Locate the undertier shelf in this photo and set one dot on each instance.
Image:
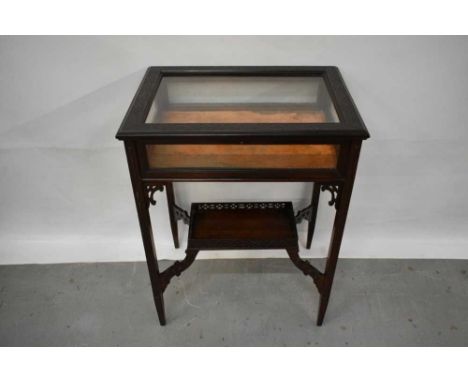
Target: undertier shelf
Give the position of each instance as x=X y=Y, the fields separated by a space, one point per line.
x=255 y=225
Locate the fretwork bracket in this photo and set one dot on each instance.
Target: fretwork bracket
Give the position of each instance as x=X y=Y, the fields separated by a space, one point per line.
x=335 y=190
x=151 y=189
x=304 y=214
x=181 y=214
x=307 y=212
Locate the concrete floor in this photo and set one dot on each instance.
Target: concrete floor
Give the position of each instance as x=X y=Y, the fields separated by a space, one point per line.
x=236 y=303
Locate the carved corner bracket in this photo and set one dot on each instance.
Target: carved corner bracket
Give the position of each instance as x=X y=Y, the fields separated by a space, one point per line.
x=151 y=189
x=335 y=190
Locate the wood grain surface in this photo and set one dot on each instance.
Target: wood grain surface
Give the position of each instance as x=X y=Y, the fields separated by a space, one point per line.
x=242 y=116
x=242 y=156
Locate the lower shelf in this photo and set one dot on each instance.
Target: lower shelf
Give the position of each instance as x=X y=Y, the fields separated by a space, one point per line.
x=256 y=225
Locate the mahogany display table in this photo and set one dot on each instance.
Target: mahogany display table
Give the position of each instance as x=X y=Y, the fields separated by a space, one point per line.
x=223 y=124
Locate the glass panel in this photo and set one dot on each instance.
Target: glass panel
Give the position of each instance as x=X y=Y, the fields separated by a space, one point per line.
x=240 y=156
x=241 y=99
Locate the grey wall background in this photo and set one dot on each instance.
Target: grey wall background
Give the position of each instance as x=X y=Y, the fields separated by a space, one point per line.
x=65 y=193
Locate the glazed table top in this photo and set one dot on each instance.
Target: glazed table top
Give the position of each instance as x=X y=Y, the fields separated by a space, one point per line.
x=221 y=102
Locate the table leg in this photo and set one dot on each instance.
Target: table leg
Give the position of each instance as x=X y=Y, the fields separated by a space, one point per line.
x=172 y=213
x=151 y=260
x=313 y=214
x=142 y=205
x=342 y=206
